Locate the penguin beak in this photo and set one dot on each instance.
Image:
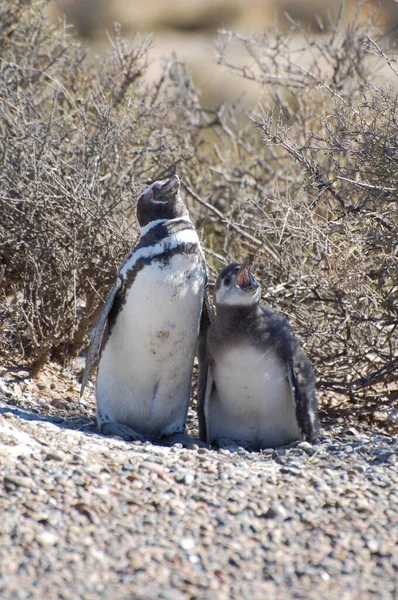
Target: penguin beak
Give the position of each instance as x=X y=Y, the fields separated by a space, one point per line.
x=245 y=279
x=170 y=186
x=163 y=190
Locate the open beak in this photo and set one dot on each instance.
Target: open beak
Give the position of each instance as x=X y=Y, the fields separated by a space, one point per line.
x=245 y=278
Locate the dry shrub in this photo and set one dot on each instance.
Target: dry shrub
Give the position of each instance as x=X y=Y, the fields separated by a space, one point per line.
x=78 y=139
x=331 y=140
x=307 y=186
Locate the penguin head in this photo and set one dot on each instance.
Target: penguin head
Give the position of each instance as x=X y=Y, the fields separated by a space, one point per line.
x=237 y=286
x=161 y=201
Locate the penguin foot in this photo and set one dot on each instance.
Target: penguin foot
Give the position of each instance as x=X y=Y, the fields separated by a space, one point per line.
x=185 y=440
x=227 y=444
x=123 y=431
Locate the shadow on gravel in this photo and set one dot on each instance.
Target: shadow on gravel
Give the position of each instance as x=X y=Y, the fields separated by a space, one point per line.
x=75 y=423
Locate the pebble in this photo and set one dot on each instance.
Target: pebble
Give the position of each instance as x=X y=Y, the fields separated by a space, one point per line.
x=187 y=543
x=46 y=538
x=55 y=455
x=57 y=419
x=137 y=484
x=373 y=545
x=189 y=478
x=102 y=518
x=306 y=447
x=42 y=385
x=276 y=511
x=12 y=482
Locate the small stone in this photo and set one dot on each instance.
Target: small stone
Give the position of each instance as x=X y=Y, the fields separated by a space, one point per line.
x=41 y=517
x=319 y=483
x=352 y=431
x=224 y=451
x=7 y=415
x=276 y=511
x=359 y=468
x=42 y=385
x=3 y=387
x=189 y=478
x=55 y=455
x=11 y=482
x=58 y=403
x=57 y=419
x=187 y=543
x=268 y=452
x=362 y=505
x=46 y=538
x=392 y=416
x=86 y=510
x=137 y=484
x=386 y=457
x=306 y=447
x=291 y=470
x=373 y=545
x=193 y=558
x=185 y=457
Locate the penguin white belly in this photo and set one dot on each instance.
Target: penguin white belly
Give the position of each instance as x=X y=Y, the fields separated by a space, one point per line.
x=144 y=374
x=251 y=401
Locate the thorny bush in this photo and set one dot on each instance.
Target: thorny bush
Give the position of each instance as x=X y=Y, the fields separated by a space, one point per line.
x=79 y=139
x=307 y=186
x=330 y=130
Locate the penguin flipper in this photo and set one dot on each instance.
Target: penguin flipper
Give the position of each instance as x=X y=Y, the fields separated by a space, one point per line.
x=208 y=307
x=206 y=320
x=96 y=341
x=202 y=379
x=204 y=396
x=302 y=385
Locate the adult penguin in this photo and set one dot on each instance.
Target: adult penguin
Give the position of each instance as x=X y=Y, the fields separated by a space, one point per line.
x=147 y=334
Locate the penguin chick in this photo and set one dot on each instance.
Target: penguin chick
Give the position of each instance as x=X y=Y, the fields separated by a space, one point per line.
x=260 y=386
x=147 y=333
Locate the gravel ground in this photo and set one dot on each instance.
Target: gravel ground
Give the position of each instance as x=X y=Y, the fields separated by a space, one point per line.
x=84 y=516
